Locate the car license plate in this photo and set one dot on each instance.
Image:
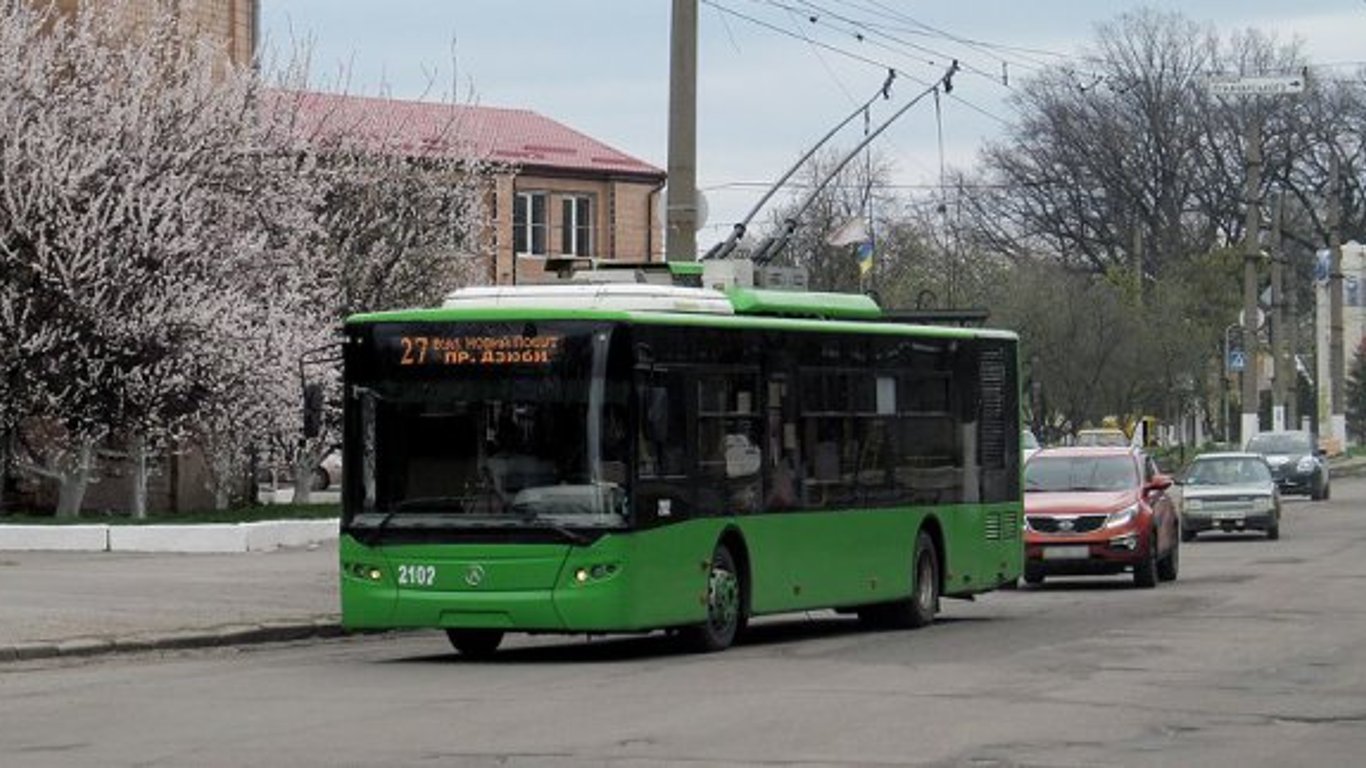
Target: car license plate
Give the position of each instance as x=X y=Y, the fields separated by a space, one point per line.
x=1066 y=553
x=1229 y=516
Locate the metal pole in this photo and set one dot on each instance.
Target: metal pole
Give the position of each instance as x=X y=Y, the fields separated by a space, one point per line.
x=1224 y=384
x=1292 y=333
x=1282 y=375
x=1336 y=359
x=680 y=237
x=1251 y=252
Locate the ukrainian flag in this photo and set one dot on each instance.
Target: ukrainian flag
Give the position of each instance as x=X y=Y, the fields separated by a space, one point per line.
x=865 y=257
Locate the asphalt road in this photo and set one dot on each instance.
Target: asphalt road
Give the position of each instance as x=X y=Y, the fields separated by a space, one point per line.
x=1256 y=656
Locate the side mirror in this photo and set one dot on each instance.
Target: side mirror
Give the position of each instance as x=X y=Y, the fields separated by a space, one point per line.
x=313 y=410
x=1159 y=482
x=1321 y=452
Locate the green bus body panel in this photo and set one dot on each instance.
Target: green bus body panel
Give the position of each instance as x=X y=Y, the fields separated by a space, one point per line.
x=797 y=561
x=685 y=267
x=698 y=320
x=849 y=306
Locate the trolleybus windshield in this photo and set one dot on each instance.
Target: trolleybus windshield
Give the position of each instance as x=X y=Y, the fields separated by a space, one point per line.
x=485 y=426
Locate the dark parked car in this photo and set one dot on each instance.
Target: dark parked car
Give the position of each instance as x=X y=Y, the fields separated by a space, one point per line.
x=1297 y=464
x=1099 y=511
x=1230 y=492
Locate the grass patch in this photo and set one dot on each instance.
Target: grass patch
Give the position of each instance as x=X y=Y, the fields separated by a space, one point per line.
x=243 y=515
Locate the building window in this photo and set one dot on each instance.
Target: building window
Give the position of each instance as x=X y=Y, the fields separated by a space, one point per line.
x=529 y=223
x=576 y=226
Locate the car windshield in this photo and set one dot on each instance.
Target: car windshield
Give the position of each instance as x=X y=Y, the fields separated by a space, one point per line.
x=1028 y=441
x=1280 y=442
x=1080 y=473
x=1102 y=438
x=1230 y=471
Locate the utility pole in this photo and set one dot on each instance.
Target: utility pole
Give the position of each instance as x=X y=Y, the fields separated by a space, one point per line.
x=1282 y=375
x=680 y=237
x=1251 y=253
x=1292 y=327
x=1253 y=87
x=1336 y=364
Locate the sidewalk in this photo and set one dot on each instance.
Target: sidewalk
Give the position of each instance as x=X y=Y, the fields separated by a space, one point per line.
x=76 y=603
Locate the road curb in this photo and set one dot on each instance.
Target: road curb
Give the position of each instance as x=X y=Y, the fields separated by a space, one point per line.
x=263 y=536
x=319 y=627
x=1351 y=468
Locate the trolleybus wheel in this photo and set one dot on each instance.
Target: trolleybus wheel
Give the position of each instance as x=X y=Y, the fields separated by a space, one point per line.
x=919 y=609
x=475 y=643
x=725 y=606
x=924 y=602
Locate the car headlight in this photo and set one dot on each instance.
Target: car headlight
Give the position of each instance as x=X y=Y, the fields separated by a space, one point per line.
x=1122 y=517
x=1262 y=504
x=1306 y=464
x=1194 y=505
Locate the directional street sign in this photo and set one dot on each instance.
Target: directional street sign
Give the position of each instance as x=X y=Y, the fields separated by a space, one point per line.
x=1273 y=85
x=1237 y=361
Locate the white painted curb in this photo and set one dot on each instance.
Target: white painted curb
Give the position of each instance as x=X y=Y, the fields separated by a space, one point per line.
x=273 y=534
x=201 y=538
x=60 y=538
x=207 y=537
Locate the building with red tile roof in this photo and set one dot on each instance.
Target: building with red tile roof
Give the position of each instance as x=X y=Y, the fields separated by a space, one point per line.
x=556 y=192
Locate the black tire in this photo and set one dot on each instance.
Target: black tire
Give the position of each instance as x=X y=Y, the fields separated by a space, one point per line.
x=726 y=613
x=917 y=610
x=1187 y=534
x=1033 y=576
x=924 y=602
x=1167 y=567
x=1273 y=531
x=318 y=480
x=1319 y=490
x=1327 y=490
x=1145 y=571
x=475 y=643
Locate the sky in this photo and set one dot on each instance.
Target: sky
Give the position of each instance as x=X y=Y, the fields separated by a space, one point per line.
x=771 y=82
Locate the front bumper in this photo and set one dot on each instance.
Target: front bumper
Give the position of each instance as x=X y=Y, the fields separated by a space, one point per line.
x=1102 y=553
x=1195 y=522
x=1290 y=480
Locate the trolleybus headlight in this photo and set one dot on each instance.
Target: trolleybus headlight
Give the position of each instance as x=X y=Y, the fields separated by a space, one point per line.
x=594 y=572
x=363 y=571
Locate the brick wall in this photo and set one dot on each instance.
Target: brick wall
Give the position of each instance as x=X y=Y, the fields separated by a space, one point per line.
x=232 y=23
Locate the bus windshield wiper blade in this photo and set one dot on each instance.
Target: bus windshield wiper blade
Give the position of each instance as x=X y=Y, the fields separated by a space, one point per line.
x=456 y=503
x=539 y=522
x=373 y=537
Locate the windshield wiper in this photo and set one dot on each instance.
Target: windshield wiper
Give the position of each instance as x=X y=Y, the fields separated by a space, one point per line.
x=574 y=537
x=372 y=538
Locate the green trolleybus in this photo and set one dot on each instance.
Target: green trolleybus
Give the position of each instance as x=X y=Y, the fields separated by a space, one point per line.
x=632 y=457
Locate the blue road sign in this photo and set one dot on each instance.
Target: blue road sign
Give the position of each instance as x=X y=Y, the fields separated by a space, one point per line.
x=1237 y=361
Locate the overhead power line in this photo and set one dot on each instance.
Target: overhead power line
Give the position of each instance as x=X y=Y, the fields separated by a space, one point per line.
x=852 y=55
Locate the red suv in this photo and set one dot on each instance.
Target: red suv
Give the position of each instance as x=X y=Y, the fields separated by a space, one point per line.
x=1099 y=511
